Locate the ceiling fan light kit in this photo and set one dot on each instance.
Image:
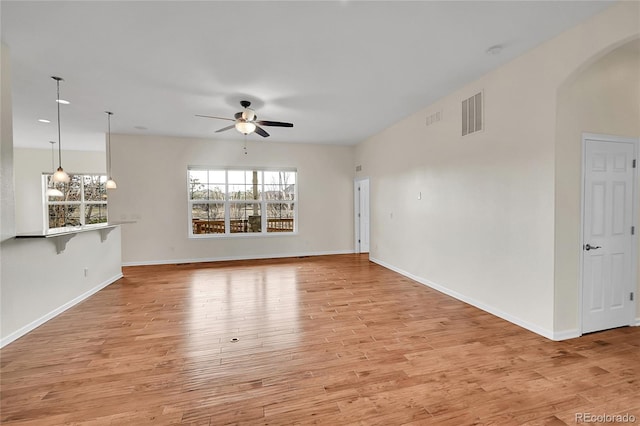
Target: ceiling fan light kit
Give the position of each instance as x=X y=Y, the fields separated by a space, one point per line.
x=246 y=121
x=245 y=127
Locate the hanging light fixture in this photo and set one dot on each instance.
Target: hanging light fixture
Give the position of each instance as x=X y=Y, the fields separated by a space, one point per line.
x=52 y=191
x=111 y=184
x=245 y=127
x=244 y=122
x=60 y=176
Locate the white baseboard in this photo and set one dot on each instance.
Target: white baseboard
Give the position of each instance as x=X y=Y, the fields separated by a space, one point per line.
x=569 y=334
x=228 y=258
x=637 y=324
x=566 y=334
x=35 y=324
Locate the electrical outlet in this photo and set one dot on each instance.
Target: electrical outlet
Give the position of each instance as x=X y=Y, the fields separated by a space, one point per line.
x=86 y=272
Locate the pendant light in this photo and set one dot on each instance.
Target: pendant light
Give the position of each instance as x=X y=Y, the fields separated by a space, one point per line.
x=52 y=191
x=60 y=176
x=111 y=184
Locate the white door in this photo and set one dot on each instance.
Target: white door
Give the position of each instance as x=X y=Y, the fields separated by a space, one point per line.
x=362 y=215
x=608 y=255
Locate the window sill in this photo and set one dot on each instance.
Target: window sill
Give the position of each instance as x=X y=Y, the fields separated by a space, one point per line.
x=241 y=235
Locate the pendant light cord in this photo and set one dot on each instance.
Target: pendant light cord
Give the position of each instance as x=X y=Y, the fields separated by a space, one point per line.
x=59 y=142
x=53 y=161
x=109 y=113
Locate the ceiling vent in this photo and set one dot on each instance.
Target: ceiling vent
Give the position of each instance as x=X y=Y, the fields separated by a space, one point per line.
x=472 y=114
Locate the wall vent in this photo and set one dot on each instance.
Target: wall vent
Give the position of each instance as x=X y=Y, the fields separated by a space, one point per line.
x=472 y=115
x=435 y=117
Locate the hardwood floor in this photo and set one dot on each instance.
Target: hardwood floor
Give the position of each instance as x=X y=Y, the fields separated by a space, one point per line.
x=331 y=340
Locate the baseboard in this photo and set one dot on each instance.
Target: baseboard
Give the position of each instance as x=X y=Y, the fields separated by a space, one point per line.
x=637 y=324
x=566 y=334
x=480 y=305
x=230 y=258
x=35 y=324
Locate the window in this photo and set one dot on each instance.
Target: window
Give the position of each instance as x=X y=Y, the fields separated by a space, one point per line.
x=84 y=201
x=231 y=201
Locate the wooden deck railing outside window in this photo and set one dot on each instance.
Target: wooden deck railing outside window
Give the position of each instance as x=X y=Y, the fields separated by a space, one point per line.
x=202 y=226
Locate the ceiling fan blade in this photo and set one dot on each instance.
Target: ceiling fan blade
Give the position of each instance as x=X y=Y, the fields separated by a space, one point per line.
x=261 y=132
x=273 y=123
x=226 y=128
x=211 y=116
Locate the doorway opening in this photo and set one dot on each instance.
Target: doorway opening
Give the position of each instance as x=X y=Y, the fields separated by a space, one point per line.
x=362 y=216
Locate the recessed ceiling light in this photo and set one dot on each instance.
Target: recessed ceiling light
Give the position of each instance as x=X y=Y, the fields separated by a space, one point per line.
x=43 y=120
x=495 y=50
x=62 y=101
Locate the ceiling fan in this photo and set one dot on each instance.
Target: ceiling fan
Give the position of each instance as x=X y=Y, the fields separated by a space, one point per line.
x=246 y=121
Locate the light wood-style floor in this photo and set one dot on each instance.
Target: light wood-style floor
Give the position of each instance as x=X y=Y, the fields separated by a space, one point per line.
x=331 y=340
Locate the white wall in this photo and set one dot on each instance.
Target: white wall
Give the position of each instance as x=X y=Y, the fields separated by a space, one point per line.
x=29 y=165
x=38 y=283
x=7 y=213
x=484 y=230
x=603 y=98
x=151 y=173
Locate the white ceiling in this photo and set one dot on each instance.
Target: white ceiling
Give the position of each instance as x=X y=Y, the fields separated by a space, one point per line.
x=339 y=70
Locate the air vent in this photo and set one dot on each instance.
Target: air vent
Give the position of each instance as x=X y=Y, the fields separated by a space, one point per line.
x=472 y=114
x=436 y=116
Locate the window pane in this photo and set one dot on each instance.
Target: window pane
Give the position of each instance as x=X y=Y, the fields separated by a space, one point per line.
x=280 y=193
x=206 y=185
x=207 y=218
x=198 y=191
x=216 y=191
x=95 y=188
x=217 y=176
x=279 y=185
x=245 y=217
x=64 y=215
x=72 y=190
x=244 y=184
x=244 y=192
x=244 y=176
x=280 y=178
x=199 y=176
x=240 y=192
x=95 y=213
x=280 y=217
x=48 y=184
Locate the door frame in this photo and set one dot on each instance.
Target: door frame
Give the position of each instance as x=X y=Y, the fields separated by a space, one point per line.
x=356 y=212
x=634 y=212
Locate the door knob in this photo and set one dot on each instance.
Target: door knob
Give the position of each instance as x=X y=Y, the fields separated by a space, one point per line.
x=588 y=247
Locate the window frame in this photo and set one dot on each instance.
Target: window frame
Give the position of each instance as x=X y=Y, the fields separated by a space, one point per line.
x=263 y=203
x=81 y=203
